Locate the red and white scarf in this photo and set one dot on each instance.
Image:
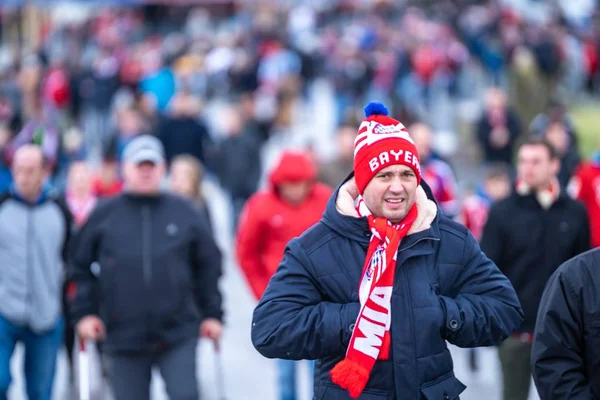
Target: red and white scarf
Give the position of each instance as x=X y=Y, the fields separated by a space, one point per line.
x=371 y=338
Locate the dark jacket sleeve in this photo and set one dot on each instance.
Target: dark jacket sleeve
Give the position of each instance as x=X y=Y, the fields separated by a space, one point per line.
x=492 y=238
x=557 y=355
x=206 y=263
x=82 y=295
x=483 y=308
x=292 y=321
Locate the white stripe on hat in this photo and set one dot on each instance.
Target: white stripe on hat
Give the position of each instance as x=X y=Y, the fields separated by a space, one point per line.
x=377 y=131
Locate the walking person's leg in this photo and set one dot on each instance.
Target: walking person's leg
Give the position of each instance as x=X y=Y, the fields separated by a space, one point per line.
x=130 y=375
x=515 y=357
x=8 y=339
x=41 y=351
x=287 y=379
x=178 y=368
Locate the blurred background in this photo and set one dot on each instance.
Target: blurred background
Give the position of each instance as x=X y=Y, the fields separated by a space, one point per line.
x=234 y=83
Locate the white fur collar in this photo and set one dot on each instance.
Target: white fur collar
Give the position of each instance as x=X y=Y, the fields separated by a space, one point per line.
x=546 y=198
x=427 y=208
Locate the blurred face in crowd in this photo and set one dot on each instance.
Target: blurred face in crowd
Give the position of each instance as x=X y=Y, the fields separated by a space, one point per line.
x=423 y=138
x=28 y=171
x=233 y=122
x=130 y=123
x=143 y=178
x=345 y=138
x=183 y=178
x=558 y=137
x=536 y=167
x=391 y=192
x=495 y=100
x=79 y=179
x=497 y=187
x=294 y=192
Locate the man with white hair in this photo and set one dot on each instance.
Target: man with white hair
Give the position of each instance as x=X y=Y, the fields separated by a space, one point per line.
x=34 y=234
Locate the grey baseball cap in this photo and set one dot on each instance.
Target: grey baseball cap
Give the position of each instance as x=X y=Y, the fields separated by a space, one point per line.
x=144 y=148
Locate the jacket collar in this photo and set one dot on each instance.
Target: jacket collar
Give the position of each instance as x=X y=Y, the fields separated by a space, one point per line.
x=44 y=195
x=544 y=199
x=342 y=218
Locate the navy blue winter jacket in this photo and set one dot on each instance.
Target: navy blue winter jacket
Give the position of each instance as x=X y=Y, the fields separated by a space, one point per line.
x=445 y=289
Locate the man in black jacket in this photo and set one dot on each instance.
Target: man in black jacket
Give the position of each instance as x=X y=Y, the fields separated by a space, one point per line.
x=528 y=235
x=144 y=276
x=566 y=347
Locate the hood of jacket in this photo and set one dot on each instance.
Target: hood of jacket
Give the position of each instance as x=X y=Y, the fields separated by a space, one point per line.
x=293 y=166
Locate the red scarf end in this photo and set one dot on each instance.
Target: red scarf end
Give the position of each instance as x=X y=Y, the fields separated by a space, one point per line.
x=351 y=376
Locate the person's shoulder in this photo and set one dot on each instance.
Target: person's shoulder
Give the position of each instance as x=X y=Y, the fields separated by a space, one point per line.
x=263 y=200
x=175 y=202
x=441 y=166
x=504 y=205
x=451 y=227
x=581 y=269
x=4 y=197
x=315 y=237
x=575 y=206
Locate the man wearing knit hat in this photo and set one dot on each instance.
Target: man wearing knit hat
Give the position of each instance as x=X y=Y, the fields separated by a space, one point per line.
x=377 y=287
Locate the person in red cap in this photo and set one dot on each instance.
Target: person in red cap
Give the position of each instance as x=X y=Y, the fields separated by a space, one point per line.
x=269 y=220
x=382 y=282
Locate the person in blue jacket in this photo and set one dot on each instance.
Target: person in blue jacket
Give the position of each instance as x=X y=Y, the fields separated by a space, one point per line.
x=375 y=289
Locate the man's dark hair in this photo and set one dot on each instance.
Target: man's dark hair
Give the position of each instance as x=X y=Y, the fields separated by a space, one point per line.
x=541 y=141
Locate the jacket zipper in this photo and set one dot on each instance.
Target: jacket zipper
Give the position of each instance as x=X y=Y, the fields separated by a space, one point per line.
x=407 y=288
x=146 y=245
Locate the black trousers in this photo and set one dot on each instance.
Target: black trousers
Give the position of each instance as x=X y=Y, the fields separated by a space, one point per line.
x=130 y=374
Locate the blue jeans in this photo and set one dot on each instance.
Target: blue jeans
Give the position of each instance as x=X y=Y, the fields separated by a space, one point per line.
x=41 y=351
x=286 y=378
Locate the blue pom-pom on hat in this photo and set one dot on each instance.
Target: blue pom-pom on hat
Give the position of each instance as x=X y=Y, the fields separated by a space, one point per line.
x=375 y=108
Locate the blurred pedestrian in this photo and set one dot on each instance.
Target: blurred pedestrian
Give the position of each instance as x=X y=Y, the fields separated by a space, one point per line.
x=496 y=186
x=585 y=187
x=498 y=129
x=79 y=195
x=528 y=235
x=436 y=172
x=107 y=182
x=158 y=280
x=557 y=135
x=181 y=131
x=335 y=171
x=185 y=178
x=336 y=296
x=34 y=234
x=81 y=201
x=238 y=159
x=565 y=358
x=270 y=219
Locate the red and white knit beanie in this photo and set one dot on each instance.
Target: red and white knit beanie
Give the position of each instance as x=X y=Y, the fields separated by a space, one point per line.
x=382 y=141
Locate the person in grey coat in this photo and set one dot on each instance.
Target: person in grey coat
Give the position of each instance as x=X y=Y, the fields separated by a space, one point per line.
x=34 y=235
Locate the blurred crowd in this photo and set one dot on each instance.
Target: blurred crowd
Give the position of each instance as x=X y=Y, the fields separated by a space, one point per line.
x=217 y=87
x=90 y=87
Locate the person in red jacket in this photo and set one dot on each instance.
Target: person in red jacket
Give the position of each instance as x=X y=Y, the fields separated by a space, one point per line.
x=293 y=202
x=585 y=187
